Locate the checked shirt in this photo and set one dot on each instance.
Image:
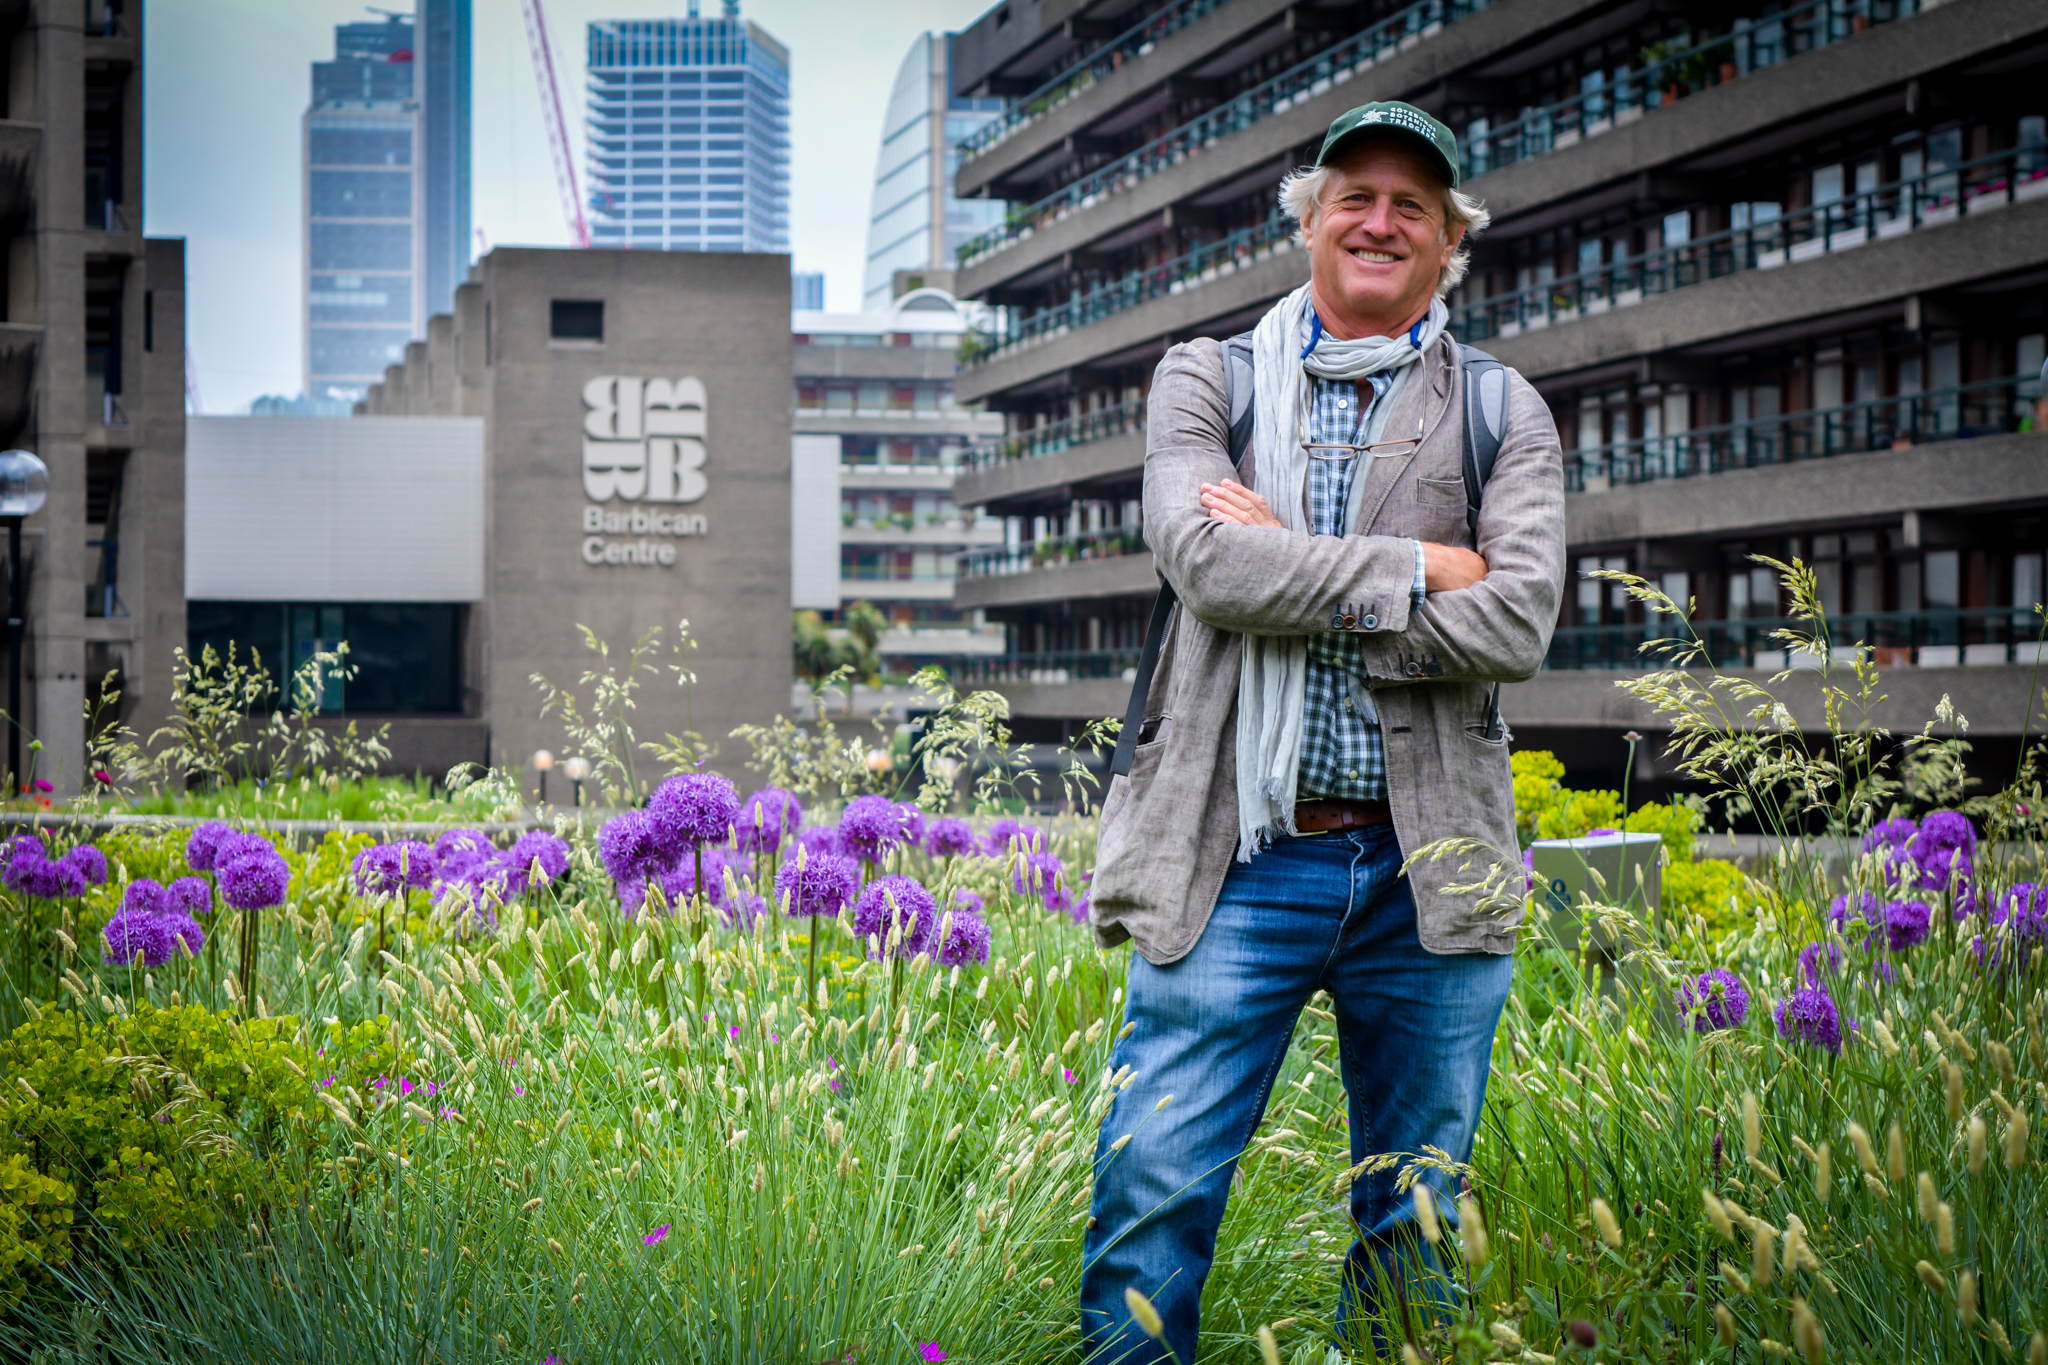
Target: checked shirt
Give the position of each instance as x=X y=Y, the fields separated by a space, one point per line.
x=1343 y=756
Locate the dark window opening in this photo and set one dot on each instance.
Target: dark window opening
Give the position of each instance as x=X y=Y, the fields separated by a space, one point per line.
x=104 y=86
x=406 y=656
x=149 y=319
x=103 y=485
x=104 y=277
x=576 y=319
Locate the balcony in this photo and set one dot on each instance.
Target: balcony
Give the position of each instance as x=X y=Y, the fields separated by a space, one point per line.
x=1111 y=563
x=1882 y=212
x=1965 y=412
x=1062 y=458
x=1945 y=638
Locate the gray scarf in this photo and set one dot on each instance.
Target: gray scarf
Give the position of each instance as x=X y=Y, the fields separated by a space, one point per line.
x=1273 y=674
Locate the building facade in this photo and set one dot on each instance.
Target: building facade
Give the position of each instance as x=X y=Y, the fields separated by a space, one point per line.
x=916 y=225
x=688 y=134
x=92 y=370
x=631 y=423
x=1780 y=272
x=879 y=440
x=386 y=193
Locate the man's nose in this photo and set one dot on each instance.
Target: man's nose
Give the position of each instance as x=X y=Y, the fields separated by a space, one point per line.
x=1379 y=219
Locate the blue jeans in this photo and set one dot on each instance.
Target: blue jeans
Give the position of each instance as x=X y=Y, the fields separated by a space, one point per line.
x=1415 y=1032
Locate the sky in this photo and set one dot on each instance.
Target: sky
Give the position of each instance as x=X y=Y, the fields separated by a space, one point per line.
x=227 y=82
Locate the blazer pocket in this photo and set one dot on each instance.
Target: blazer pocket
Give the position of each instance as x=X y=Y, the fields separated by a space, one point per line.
x=1440 y=492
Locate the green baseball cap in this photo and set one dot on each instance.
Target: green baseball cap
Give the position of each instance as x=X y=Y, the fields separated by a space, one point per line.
x=1393 y=118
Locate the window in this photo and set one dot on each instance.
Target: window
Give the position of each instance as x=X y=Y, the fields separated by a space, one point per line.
x=576 y=319
x=407 y=656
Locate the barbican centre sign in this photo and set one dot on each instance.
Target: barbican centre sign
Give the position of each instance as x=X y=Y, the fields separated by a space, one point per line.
x=643 y=445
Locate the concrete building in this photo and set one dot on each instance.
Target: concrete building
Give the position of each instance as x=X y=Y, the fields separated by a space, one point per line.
x=1779 y=270
x=916 y=225
x=92 y=368
x=591 y=439
x=386 y=193
x=879 y=440
x=688 y=134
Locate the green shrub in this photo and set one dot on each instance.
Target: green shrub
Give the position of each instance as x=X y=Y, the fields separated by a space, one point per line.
x=1712 y=890
x=152 y=1124
x=35 y=1222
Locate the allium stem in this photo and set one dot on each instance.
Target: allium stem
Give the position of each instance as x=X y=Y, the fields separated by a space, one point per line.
x=697 y=926
x=811 y=975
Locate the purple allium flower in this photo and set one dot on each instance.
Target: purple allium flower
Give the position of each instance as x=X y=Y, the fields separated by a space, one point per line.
x=253 y=874
x=914 y=913
x=90 y=863
x=185 y=931
x=768 y=817
x=1006 y=834
x=537 y=847
x=1811 y=965
x=914 y=820
x=1842 y=914
x=1809 y=1016
x=696 y=808
x=2023 y=912
x=131 y=932
x=1896 y=832
x=26 y=859
x=970 y=901
x=819 y=839
x=202 y=847
x=1716 y=999
x=632 y=850
x=189 y=896
x=146 y=896
x=65 y=879
x=1945 y=850
x=870 y=826
x=1038 y=874
x=824 y=885
x=391 y=869
x=967 y=940
x=1080 y=910
x=655 y=1236
x=1601 y=833
x=1904 y=924
x=949 y=837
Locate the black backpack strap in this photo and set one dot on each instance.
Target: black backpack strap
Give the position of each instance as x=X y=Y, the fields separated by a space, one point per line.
x=1486 y=424
x=1141 y=688
x=1237 y=402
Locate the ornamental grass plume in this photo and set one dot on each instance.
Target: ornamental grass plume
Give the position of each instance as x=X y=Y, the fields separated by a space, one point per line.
x=1472 y=1232
x=1145 y=1315
x=1604 y=1220
x=1752 y=1126
x=1808 y=1015
x=1425 y=1214
x=902 y=905
x=1714 y=1000
x=870 y=826
x=1895 y=1152
x=766 y=818
x=2016 y=1140
x=1806 y=1333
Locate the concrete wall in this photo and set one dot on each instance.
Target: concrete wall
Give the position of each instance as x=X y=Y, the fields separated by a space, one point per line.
x=1076 y=580
x=1043 y=477
x=721 y=318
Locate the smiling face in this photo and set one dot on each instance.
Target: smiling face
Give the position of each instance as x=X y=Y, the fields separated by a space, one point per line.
x=1377 y=244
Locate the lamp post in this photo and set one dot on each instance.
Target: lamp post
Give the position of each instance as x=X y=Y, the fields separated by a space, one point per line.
x=542 y=761
x=24 y=488
x=576 y=769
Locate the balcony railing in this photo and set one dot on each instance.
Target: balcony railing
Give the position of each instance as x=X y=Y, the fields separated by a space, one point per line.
x=1050 y=438
x=1051 y=666
x=883 y=573
x=1898 y=639
x=1077 y=77
x=1550 y=127
x=1110 y=543
x=1990 y=408
x=1304 y=80
x=1190 y=270
x=1938 y=196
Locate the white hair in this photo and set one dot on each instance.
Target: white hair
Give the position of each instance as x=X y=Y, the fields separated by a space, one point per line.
x=1301 y=197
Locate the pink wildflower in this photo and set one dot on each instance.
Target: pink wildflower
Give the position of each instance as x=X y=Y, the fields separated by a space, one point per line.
x=930 y=1351
x=655 y=1236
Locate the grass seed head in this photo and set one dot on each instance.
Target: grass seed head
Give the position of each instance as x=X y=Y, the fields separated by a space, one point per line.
x=1762 y=1263
x=1979 y=1135
x=2016 y=1141
x=1269 y=1348
x=1724 y=1325
x=1145 y=1315
x=1895 y=1153
x=1806 y=1333
x=1425 y=1215
x=1945 y=1230
x=2037 y=1349
x=1604 y=1220
x=1952 y=1089
x=1472 y=1232
x=1866 y=1156
x=1930 y=1277
x=1752 y=1127
x=1717 y=1214
x=1928 y=1198
x=1966 y=1297
x=1823 y=1172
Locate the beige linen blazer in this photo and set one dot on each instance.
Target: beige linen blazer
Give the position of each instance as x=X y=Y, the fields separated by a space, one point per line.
x=1169 y=829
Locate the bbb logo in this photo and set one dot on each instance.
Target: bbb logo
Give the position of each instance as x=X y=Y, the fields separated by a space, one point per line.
x=643 y=439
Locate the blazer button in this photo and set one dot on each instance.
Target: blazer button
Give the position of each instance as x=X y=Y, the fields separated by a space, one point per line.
x=1371 y=623
x=1411 y=669
x=1350 y=621
x=1336 y=620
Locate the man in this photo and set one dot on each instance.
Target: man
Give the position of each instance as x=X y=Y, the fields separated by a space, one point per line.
x=1323 y=702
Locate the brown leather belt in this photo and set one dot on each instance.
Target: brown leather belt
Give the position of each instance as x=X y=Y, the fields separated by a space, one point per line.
x=1316 y=817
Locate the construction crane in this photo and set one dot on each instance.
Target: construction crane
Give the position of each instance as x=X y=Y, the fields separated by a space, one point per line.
x=551 y=115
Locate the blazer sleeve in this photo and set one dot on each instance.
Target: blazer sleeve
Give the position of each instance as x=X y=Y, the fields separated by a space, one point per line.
x=1252 y=580
x=1497 y=630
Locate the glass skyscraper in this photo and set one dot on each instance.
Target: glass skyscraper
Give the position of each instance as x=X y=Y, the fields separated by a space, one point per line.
x=914 y=222
x=386 y=154
x=688 y=135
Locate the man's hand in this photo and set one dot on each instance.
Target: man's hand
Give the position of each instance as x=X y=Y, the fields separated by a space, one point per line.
x=1232 y=501
x=1447 y=568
